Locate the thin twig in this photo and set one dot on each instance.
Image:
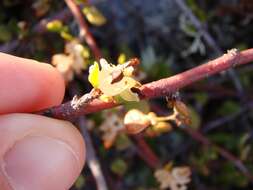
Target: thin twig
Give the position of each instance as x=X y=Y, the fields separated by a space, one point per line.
x=223 y=120
x=160 y=88
x=92 y=160
x=84 y=29
x=209 y=40
x=223 y=152
x=146 y=153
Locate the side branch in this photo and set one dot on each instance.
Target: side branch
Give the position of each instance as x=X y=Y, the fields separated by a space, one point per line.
x=84 y=29
x=163 y=87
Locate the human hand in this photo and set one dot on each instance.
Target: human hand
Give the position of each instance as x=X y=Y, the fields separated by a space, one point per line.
x=36 y=152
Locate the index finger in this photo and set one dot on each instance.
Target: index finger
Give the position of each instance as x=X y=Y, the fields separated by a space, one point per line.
x=27 y=85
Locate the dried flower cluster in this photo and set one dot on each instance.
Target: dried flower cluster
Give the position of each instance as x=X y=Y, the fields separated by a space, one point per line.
x=174 y=178
x=74 y=60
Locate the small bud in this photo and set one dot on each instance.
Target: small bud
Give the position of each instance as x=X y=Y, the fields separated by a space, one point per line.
x=135 y=121
x=121 y=58
x=94 y=16
x=108 y=144
x=182 y=109
x=162 y=127
x=134 y=62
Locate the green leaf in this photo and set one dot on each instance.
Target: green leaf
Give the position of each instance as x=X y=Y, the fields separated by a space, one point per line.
x=200 y=13
x=93 y=75
x=119 y=167
x=229 y=107
x=195 y=118
x=5 y=34
x=94 y=16
x=123 y=142
x=66 y=36
x=86 y=52
x=201 y=97
x=80 y=182
x=54 y=26
x=228 y=175
x=121 y=58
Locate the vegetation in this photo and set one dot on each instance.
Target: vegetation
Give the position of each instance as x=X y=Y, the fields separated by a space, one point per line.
x=152 y=115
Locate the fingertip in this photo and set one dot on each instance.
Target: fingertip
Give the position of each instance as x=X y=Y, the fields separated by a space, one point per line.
x=28 y=85
x=39 y=152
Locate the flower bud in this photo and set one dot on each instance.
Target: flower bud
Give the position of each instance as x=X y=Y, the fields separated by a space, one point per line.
x=162 y=127
x=182 y=109
x=135 y=121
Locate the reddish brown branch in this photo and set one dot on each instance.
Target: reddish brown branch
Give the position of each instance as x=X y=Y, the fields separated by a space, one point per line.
x=84 y=29
x=146 y=153
x=161 y=87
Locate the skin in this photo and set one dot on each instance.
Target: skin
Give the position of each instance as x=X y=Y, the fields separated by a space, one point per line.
x=36 y=152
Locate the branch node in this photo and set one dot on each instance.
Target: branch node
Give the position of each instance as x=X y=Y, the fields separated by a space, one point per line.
x=234 y=53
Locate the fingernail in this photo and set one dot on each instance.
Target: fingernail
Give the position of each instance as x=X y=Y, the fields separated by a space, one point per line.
x=40 y=163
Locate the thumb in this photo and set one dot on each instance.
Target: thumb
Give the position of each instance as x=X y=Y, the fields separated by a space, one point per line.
x=39 y=153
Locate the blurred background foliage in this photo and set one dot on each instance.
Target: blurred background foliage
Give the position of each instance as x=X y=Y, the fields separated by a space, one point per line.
x=167 y=43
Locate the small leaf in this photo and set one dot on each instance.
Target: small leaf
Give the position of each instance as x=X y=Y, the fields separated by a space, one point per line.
x=195 y=118
x=54 y=26
x=5 y=34
x=122 y=142
x=94 y=16
x=119 y=167
x=86 y=52
x=93 y=75
x=228 y=107
x=66 y=36
x=121 y=58
x=182 y=108
x=201 y=97
x=80 y=182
